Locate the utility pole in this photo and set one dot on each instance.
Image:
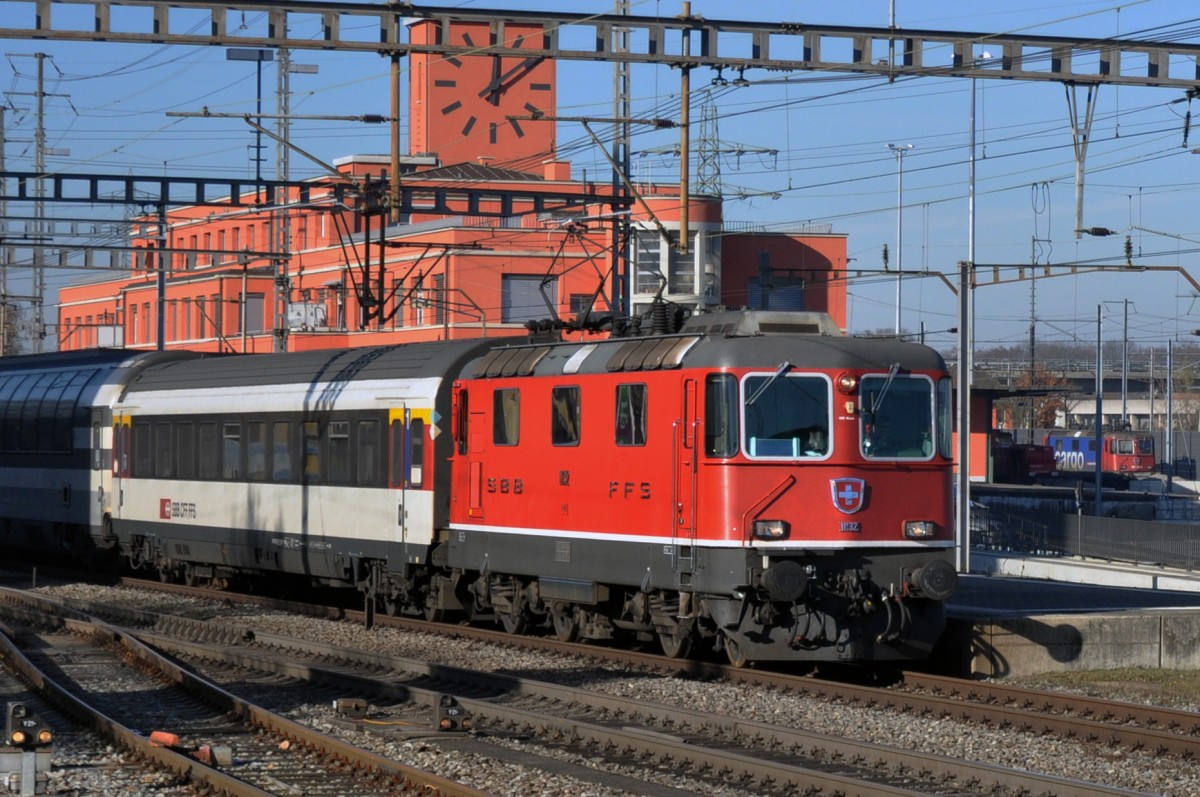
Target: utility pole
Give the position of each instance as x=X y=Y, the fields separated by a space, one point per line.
x=899 y=149
x=622 y=104
x=4 y=247
x=39 y=207
x=685 y=161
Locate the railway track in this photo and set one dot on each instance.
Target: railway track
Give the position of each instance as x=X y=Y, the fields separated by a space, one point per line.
x=771 y=758
x=165 y=714
x=1131 y=725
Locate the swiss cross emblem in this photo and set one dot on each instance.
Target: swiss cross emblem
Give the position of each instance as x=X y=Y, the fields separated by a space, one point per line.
x=848 y=494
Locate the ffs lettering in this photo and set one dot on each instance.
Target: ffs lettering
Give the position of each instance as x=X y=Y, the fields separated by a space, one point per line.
x=629 y=490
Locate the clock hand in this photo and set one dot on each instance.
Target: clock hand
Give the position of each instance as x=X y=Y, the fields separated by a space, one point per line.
x=501 y=82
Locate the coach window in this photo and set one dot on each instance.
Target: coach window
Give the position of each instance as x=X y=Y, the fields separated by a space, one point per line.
x=185 y=450
x=164 y=465
x=256 y=451
x=143 y=451
x=231 y=451
x=368 y=453
x=720 y=415
x=209 y=450
x=631 y=415
x=565 y=416
x=281 y=451
x=312 y=451
x=339 y=452
x=97 y=450
x=506 y=416
x=416 y=471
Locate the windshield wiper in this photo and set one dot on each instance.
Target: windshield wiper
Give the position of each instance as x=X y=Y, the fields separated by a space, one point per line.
x=877 y=401
x=783 y=366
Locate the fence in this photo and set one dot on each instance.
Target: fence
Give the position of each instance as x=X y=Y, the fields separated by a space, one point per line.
x=1114 y=539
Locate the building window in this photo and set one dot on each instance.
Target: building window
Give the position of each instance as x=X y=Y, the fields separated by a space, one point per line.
x=521 y=297
x=133 y=323
x=255 y=310
x=439 y=298
x=647 y=260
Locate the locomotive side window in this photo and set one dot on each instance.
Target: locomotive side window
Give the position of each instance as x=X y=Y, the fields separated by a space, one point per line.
x=231 y=451
x=564 y=416
x=338 y=438
x=256 y=451
x=720 y=415
x=506 y=416
x=461 y=426
x=185 y=450
x=631 y=415
x=281 y=451
x=897 y=416
x=787 y=415
x=209 y=450
x=945 y=424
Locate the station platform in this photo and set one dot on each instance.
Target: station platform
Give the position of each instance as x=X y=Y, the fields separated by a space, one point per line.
x=1025 y=614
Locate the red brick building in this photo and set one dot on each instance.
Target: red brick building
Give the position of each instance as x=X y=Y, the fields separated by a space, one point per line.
x=323 y=274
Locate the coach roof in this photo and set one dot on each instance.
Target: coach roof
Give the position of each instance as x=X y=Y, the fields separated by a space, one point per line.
x=404 y=361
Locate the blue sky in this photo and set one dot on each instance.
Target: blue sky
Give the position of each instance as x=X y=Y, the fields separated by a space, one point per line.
x=833 y=165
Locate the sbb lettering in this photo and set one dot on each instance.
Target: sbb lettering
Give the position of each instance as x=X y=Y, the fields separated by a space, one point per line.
x=505 y=486
x=629 y=490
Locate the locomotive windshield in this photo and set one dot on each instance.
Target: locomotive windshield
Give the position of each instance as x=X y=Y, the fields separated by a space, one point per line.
x=786 y=415
x=897 y=415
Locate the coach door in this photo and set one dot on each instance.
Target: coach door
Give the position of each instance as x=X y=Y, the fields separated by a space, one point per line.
x=407 y=436
x=684 y=482
x=122 y=451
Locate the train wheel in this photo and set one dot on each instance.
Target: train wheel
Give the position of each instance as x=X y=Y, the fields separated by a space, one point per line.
x=676 y=640
x=432 y=613
x=733 y=652
x=514 y=622
x=566 y=623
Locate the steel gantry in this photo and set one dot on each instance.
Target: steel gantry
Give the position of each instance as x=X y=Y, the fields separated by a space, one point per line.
x=715 y=43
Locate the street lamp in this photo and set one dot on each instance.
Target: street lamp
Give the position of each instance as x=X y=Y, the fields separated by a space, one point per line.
x=899 y=149
x=257 y=55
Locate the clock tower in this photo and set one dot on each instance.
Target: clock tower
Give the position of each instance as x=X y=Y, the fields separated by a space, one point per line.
x=460 y=104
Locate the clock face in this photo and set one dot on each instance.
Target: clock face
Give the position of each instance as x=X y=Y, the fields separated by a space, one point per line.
x=467 y=101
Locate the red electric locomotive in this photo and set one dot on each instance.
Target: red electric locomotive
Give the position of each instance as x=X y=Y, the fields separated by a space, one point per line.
x=757 y=482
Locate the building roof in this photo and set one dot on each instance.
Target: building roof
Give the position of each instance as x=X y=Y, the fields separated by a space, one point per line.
x=477 y=172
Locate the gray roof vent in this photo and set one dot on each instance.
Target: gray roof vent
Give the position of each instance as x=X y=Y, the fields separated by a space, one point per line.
x=749 y=323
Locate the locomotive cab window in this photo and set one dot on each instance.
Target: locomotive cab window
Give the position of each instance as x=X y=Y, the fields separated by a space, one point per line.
x=565 y=416
x=786 y=416
x=897 y=416
x=631 y=415
x=506 y=416
x=720 y=415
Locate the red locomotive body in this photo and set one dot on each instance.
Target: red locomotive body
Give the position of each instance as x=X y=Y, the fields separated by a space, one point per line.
x=754 y=482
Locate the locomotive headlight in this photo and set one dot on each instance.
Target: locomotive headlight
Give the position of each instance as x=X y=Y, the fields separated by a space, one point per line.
x=920 y=529
x=771 y=529
x=846 y=383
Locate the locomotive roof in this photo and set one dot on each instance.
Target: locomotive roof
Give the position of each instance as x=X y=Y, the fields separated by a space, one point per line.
x=402 y=361
x=725 y=349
